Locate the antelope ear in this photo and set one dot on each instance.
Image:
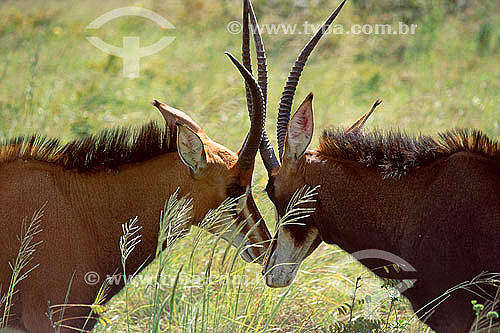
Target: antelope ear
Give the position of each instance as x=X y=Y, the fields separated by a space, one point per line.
x=191 y=149
x=357 y=127
x=300 y=131
x=174 y=117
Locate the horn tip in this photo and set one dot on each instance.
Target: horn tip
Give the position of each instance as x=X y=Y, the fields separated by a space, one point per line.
x=231 y=57
x=339 y=8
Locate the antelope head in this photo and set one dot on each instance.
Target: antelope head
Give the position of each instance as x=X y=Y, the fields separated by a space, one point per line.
x=217 y=173
x=295 y=241
x=292 y=242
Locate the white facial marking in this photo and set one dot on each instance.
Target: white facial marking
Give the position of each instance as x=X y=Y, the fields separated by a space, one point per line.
x=285 y=261
x=237 y=235
x=276 y=215
x=242 y=204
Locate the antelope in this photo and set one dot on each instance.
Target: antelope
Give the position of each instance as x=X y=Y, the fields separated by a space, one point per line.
x=91 y=186
x=432 y=201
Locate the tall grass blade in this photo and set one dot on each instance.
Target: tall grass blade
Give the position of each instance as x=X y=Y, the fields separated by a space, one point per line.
x=128 y=241
x=174 y=220
x=27 y=248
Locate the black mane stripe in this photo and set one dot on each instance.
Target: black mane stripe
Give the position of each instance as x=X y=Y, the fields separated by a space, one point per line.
x=110 y=149
x=395 y=152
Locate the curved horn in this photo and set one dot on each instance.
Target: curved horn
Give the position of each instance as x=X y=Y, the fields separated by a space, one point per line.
x=293 y=80
x=249 y=149
x=245 y=54
x=261 y=52
x=266 y=149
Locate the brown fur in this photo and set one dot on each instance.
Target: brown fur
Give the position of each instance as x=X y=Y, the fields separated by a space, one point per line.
x=395 y=153
x=109 y=149
x=126 y=173
x=443 y=217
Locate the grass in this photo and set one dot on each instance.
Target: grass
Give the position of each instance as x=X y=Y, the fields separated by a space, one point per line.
x=22 y=265
x=214 y=291
x=54 y=82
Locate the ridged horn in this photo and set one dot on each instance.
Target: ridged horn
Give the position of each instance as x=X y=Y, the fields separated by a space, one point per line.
x=251 y=145
x=293 y=80
x=266 y=149
x=245 y=54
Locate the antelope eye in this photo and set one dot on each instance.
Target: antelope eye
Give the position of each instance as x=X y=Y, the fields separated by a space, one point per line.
x=235 y=190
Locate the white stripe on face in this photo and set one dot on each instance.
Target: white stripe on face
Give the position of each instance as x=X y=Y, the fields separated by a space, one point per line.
x=249 y=251
x=243 y=206
x=284 y=263
x=238 y=239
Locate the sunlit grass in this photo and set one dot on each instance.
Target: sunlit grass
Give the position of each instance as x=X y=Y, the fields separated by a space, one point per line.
x=54 y=82
x=201 y=284
x=22 y=265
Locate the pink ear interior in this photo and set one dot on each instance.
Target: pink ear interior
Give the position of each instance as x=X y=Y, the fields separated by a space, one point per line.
x=302 y=122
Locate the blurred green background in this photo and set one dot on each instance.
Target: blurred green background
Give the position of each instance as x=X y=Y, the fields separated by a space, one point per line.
x=53 y=81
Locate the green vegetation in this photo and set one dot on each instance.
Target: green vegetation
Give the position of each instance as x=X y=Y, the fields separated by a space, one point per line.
x=53 y=81
x=21 y=266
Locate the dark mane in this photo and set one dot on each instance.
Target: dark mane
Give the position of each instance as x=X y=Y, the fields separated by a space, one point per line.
x=110 y=148
x=395 y=152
